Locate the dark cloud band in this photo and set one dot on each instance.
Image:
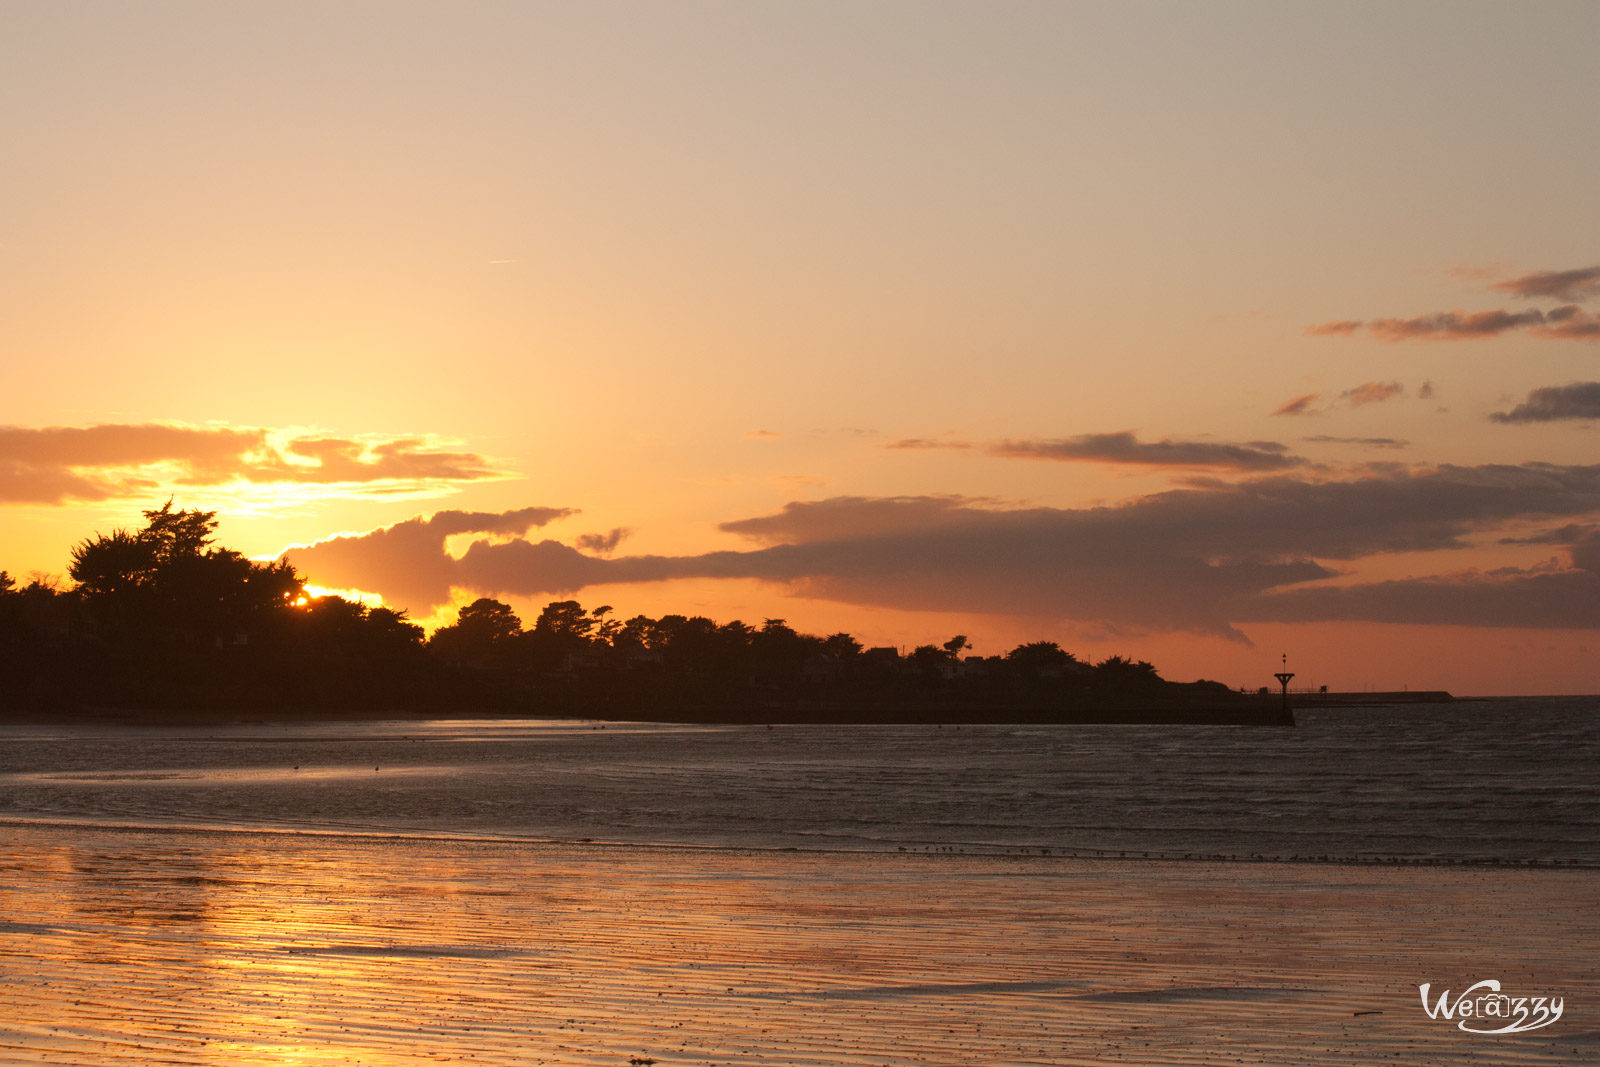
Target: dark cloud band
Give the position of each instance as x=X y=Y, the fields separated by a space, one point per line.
x=1580 y=400
x=1573 y=286
x=1197 y=559
x=1126 y=448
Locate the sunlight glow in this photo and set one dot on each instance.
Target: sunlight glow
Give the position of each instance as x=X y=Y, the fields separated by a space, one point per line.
x=358 y=596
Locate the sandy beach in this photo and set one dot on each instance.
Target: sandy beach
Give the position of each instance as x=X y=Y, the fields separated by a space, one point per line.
x=199 y=947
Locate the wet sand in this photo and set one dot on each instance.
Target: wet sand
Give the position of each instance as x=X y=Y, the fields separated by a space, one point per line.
x=184 y=947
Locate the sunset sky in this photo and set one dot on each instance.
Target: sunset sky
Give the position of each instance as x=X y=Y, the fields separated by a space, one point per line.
x=1201 y=333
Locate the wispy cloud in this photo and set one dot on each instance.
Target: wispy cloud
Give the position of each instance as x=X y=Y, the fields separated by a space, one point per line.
x=1300 y=405
x=1125 y=447
x=1567 y=322
x=1579 y=400
x=1365 y=393
x=1369 y=442
x=1454 y=325
x=919 y=443
x=327 y=460
x=58 y=464
x=1572 y=286
x=1199 y=559
x=1372 y=393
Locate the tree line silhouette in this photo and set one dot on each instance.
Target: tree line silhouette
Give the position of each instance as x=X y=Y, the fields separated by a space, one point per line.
x=162 y=619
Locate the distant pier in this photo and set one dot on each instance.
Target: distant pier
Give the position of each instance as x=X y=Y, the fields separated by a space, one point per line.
x=1319 y=699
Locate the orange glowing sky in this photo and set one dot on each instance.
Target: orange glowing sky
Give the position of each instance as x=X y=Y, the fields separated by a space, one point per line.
x=1196 y=332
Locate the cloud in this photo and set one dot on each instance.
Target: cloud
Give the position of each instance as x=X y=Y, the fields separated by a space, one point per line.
x=1565 y=599
x=919 y=443
x=1544 y=597
x=1568 y=322
x=1586 y=552
x=1570 y=534
x=1370 y=442
x=1565 y=323
x=1573 y=286
x=1300 y=405
x=1571 y=323
x=761 y=435
x=1372 y=393
x=407 y=563
x=967 y=558
x=852 y=518
x=1454 y=325
x=603 y=544
x=1395 y=510
x=1365 y=393
x=1579 y=400
x=1342 y=328
x=1199 y=559
x=1126 y=448
x=339 y=459
x=54 y=465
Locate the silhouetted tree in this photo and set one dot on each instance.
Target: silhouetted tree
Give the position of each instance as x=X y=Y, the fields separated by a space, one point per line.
x=331 y=629
x=1121 y=671
x=390 y=628
x=633 y=636
x=1039 y=659
x=565 y=620
x=1040 y=654
x=163 y=616
x=564 y=631
x=606 y=627
x=841 y=646
x=736 y=636
x=164 y=582
x=482 y=636
x=930 y=659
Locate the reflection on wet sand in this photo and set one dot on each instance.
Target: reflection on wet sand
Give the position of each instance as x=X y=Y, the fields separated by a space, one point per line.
x=237 y=948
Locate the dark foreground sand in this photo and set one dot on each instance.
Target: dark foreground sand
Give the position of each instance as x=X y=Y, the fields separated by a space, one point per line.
x=142 y=947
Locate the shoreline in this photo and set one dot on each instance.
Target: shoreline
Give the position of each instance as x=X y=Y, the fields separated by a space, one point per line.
x=1254 y=713
x=1028 y=854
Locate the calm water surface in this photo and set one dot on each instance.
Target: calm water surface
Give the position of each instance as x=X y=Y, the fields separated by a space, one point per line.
x=1502 y=781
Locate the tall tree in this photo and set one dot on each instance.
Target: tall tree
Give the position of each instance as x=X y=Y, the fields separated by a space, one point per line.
x=166 y=581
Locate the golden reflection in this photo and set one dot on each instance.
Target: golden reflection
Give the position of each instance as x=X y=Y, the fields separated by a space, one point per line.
x=247 y=949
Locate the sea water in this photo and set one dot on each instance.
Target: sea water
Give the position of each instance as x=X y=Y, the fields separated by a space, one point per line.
x=1494 y=781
